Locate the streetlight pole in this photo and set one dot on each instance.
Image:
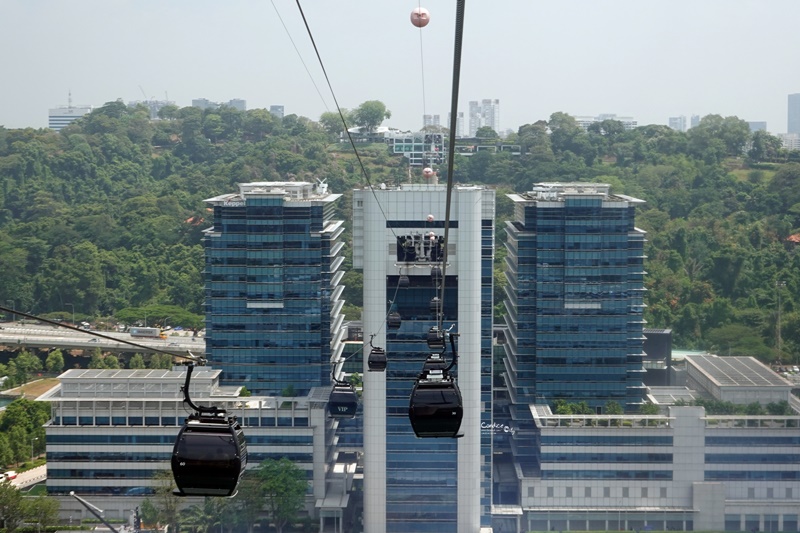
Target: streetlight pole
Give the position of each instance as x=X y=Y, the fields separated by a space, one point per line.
x=73 y=313
x=32 y=441
x=778 y=286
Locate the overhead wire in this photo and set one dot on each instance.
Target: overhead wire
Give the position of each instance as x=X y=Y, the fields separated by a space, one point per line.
x=459 y=35
x=314 y=83
x=422 y=66
x=347 y=132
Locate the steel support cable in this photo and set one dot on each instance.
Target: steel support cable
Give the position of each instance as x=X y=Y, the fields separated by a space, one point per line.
x=451 y=152
x=347 y=131
x=324 y=103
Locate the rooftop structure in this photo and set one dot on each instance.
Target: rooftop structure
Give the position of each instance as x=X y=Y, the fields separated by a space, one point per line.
x=738 y=380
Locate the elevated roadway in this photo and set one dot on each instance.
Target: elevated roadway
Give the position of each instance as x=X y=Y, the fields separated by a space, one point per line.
x=14 y=334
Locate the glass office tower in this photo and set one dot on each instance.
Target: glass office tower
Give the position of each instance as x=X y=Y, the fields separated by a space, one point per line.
x=574 y=304
x=273 y=313
x=575 y=296
x=415 y=485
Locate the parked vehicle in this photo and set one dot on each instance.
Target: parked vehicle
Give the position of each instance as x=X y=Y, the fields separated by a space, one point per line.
x=10 y=475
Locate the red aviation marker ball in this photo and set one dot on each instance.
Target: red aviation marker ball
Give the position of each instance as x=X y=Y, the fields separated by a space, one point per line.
x=420 y=17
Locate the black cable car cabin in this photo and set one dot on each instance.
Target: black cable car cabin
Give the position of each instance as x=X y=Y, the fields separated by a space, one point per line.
x=343 y=401
x=435 y=408
x=209 y=456
x=376 y=361
x=394 y=320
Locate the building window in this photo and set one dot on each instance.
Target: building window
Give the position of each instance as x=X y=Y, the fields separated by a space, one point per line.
x=644 y=492
x=569 y=492
x=751 y=493
x=626 y=492
x=550 y=492
x=770 y=493
x=788 y=493
x=606 y=492
x=587 y=492
x=530 y=492
x=663 y=492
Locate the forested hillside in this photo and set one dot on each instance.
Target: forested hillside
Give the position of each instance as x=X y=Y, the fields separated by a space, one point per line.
x=106 y=217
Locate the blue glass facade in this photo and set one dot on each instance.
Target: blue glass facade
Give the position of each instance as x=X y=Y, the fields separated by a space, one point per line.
x=575 y=298
x=420 y=473
x=574 y=304
x=271 y=278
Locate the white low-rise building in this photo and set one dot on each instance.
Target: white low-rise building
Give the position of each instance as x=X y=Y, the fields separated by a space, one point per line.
x=112 y=430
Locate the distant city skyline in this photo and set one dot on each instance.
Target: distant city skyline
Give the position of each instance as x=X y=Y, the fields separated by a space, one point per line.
x=622 y=57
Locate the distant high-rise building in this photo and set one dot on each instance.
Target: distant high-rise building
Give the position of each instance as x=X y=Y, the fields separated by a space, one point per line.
x=276 y=111
x=153 y=106
x=205 y=103
x=577 y=301
x=415 y=484
x=490 y=114
x=459 y=123
x=791 y=141
x=793 y=116
x=273 y=308
x=695 y=121
x=628 y=123
x=757 y=126
x=484 y=113
x=60 y=117
x=238 y=104
x=431 y=120
x=678 y=123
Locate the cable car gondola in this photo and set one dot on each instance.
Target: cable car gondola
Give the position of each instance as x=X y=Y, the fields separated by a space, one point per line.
x=393 y=320
x=210 y=453
x=376 y=361
x=435 y=408
x=343 y=401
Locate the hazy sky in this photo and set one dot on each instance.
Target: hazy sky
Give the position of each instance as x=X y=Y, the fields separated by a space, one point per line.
x=649 y=59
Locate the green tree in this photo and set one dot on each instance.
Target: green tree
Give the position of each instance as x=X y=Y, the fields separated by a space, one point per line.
x=12 y=512
x=486 y=132
x=370 y=115
x=26 y=364
x=42 y=511
x=332 y=123
x=165 y=501
x=6 y=456
x=613 y=408
x=97 y=360
x=764 y=146
x=284 y=488
x=160 y=360
x=136 y=361
x=649 y=409
x=54 y=362
x=148 y=513
x=203 y=517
